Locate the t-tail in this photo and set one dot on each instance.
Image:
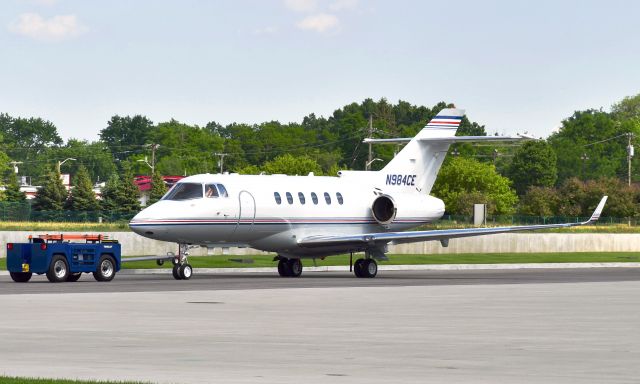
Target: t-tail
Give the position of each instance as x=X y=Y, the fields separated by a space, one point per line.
x=418 y=163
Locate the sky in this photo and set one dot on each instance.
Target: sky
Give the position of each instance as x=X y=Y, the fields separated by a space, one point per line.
x=514 y=66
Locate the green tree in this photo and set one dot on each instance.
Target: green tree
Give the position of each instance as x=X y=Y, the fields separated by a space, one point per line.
x=463 y=176
x=110 y=199
x=292 y=165
x=13 y=192
x=622 y=201
x=158 y=188
x=125 y=134
x=540 y=201
x=128 y=194
x=82 y=197
x=533 y=164
x=597 y=135
x=627 y=109
x=52 y=195
x=572 y=197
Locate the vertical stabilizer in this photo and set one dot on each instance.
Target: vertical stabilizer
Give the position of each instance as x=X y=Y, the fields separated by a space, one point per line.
x=418 y=163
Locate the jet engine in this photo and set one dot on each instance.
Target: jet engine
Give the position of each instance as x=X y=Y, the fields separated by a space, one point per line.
x=384 y=209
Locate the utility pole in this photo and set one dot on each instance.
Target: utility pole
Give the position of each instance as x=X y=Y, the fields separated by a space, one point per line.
x=629 y=156
x=221 y=162
x=367 y=166
x=153 y=157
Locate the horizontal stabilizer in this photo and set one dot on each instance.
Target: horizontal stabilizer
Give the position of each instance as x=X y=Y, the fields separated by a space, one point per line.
x=451 y=140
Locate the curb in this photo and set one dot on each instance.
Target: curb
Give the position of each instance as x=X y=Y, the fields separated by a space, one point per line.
x=417 y=267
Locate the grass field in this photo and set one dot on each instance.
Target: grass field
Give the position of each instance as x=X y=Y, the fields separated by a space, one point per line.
x=225 y=261
x=29 y=380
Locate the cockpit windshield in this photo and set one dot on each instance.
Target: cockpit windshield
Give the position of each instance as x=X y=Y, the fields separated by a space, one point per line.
x=184 y=191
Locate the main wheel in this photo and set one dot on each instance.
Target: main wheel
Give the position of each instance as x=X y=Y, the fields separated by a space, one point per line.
x=284 y=268
x=58 y=269
x=358 y=267
x=369 y=268
x=21 y=277
x=176 y=272
x=106 y=269
x=73 y=277
x=295 y=267
x=185 y=271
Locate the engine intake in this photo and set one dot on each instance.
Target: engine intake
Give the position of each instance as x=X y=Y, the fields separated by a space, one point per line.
x=384 y=209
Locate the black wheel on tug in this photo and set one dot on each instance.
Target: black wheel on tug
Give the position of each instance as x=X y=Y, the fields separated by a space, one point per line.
x=358 y=267
x=284 y=268
x=58 y=269
x=369 y=268
x=185 y=271
x=73 y=277
x=106 y=270
x=20 y=277
x=176 y=272
x=295 y=267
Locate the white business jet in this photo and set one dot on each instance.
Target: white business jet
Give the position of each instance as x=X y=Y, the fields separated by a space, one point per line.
x=311 y=216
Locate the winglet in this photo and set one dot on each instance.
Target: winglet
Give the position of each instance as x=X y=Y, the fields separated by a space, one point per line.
x=598 y=211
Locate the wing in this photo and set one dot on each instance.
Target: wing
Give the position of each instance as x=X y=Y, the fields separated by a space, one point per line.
x=442 y=235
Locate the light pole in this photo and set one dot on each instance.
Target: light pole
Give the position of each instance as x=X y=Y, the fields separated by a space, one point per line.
x=64 y=161
x=584 y=159
x=221 y=162
x=147 y=162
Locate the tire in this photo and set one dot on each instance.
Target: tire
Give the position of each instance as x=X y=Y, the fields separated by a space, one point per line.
x=284 y=268
x=159 y=262
x=369 y=268
x=185 y=271
x=73 y=277
x=21 y=277
x=176 y=272
x=58 y=269
x=106 y=269
x=295 y=267
x=358 y=267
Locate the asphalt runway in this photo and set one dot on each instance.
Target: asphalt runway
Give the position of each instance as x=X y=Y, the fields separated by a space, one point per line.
x=243 y=281
x=524 y=326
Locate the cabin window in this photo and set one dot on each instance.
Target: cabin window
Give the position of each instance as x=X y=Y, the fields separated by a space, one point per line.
x=277 y=197
x=327 y=198
x=184 y=191
x=210 y=190
x=223 y=190
x=289 y=198
x=339 y=196
x=301 y=197
x=314 y=197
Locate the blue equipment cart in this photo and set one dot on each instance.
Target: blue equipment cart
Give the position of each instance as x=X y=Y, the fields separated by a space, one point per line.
x=63 y=260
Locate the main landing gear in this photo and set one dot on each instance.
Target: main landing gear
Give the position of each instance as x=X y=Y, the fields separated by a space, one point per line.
x=367 y=267
x=182 y=270
x=289 y=267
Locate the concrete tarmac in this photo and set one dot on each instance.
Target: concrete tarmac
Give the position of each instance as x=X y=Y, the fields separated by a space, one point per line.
x=529 y=326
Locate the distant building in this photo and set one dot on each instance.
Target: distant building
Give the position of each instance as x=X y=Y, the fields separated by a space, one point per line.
x=144 y=185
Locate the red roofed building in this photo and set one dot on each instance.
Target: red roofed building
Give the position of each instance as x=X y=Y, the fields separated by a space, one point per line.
x=144 y=185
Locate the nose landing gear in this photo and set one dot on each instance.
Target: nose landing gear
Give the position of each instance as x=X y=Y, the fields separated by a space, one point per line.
x=182 y=270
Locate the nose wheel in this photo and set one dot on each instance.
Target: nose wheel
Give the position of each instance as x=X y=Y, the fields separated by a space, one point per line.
x=182 y=270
